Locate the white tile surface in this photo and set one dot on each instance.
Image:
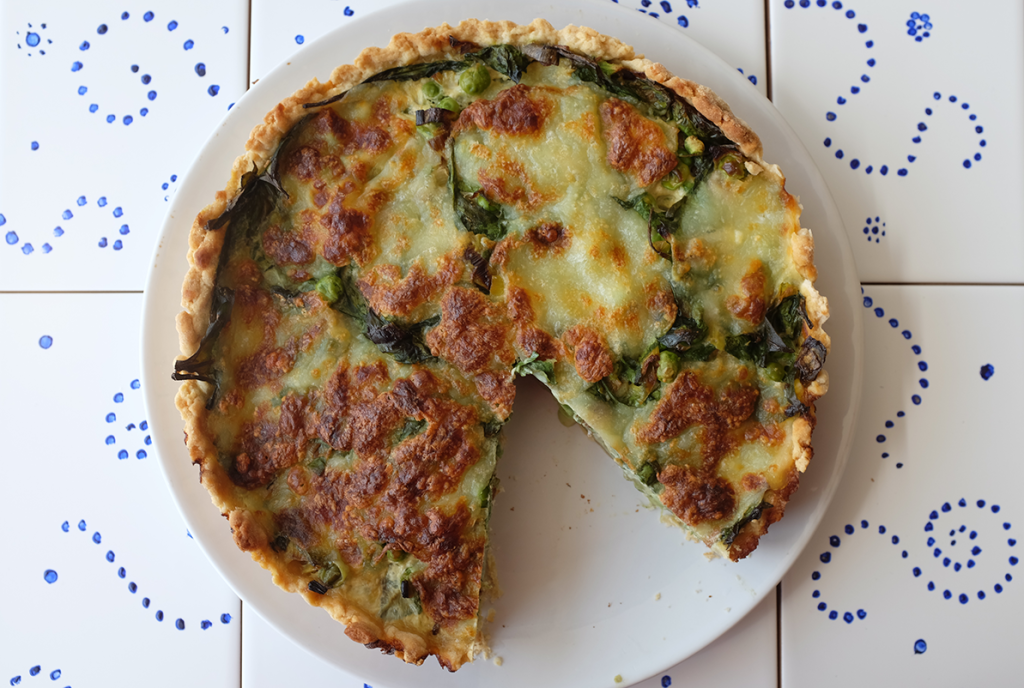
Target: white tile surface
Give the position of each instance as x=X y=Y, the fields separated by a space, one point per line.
x=958 y=443
x=734 y=29
x=942 y=221
x=60 y=467
x=270 y=659
x=93 y=179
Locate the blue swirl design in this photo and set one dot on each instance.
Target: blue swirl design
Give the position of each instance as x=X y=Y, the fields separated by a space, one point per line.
x=167 y=185
x=36 y=671
x=33 y=39
x=919 y=26
x=146 y=79
x=945 y=560
x=922 y=366
x=122 y=229
x=133 y=587
x=856 y=163
x=143 y=427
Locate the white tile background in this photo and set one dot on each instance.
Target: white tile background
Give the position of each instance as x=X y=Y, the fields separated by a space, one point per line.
x=942 y=223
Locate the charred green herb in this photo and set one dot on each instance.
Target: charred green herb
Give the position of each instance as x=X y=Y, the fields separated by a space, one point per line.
x=200 y=365
x=661 y=224
x=542 y=370
x=403 y=341
x=752 y=514
x=474 y=211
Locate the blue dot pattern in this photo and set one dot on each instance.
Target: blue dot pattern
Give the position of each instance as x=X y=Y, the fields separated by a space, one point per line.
x=918 y=27
x=50 y=576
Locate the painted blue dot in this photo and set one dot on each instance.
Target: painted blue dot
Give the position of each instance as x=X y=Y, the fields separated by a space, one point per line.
x=123 y=454
x=110 y=555
x=55 y=674
x=825 y=557
x=11 y=238
x=65 y=526
x=947 y=594
x=96 y=537
x=213 y=90
x=833 y=615
x=889 y=424
x=204 y=624
x=151 y=95
x=110 y=118
x=666 y=681
x=102 y=243
x=815 y=575
x=121 y=573
x=145 y=602
x=144 y=111
x=884 y=170
x=916 y=399
x=881 y=530
x=118 y=212
x=146 y=78
x=84 y=46
x=854 y=164
x=174 y=177
x=863 y=524
x=179 y=624
x=300 y=39
x=917 y=571
x=172 y=25
x=848 y=617
x=50 y=576
x=189 y=44
x=879 y=312
x=225 y=618
x=82 y=90
x=124 y=230
x=946 y=561
x=201 y=69
x=931 y=585
x=981 y=143
x=1013 y=561
x=76 y=65
x=834 y=540
x=148 y=16
x=885 y=455
x=132 y=588
x=987 y=371
x=348 y=11
x=900 y=414
x=94 y=107
x=141 y=454
x=816 y=594
x=869 y=169
x=159 y=615
x=82 y=526
x=920 y=646
x=148 y=440
x=848 y=529
x=963 y=598
x=46 y=341
x=868 y=302
x=923 y=382
x=895 y=539
x=827 y=142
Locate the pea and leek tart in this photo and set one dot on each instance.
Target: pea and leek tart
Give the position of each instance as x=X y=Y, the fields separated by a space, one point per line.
x=465 y=206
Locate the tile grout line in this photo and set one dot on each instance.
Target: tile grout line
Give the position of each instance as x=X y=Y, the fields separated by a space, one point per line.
x=768 y=50
x=778 y=588
x=778 y=635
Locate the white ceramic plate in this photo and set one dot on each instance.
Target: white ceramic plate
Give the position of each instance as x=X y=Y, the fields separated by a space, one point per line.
x=580 y=562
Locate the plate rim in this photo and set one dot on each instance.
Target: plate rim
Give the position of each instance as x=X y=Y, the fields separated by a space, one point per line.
x=154 y=291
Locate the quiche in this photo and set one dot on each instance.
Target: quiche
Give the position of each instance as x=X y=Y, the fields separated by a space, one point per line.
x=468 y=205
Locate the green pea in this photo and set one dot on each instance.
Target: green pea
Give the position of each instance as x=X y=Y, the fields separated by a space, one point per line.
x=448 y=103
x=693 y=145
x=648 y=473
x=329 y=287
x=475 y=80
x=431 y=89
x=668 y=366
x=775 y=372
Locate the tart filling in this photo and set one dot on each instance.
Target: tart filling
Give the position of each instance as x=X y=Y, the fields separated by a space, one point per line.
x=469 y=205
